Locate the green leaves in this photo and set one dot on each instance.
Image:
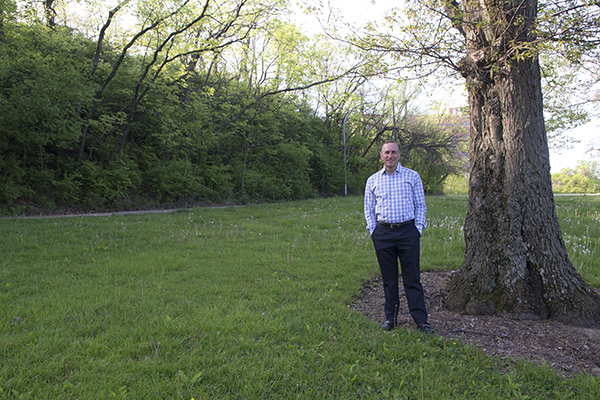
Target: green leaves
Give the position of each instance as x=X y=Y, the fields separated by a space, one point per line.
x=584 y=178
x=42 y=85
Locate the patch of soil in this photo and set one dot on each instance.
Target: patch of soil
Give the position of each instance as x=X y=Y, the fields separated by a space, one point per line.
x=567 y=349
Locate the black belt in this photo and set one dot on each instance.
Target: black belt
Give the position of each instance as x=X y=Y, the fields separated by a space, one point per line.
x=398 y=225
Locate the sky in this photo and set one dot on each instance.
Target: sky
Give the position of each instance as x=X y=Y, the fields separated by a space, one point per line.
x=360 y=11
x=355 y=11
x=560 y=159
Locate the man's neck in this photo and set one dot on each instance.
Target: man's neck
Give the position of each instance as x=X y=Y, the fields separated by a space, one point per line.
x=391 y=170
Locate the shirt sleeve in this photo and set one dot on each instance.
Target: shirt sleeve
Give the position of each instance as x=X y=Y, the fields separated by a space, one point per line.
x=370 y=206
x=419 y=202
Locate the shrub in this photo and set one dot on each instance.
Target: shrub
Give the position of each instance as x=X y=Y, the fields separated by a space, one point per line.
x=102 y=186
x=174 y=181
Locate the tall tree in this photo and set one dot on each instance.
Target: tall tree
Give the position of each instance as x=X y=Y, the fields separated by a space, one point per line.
x=212 y=25
x=42 y=86
x=515 y=258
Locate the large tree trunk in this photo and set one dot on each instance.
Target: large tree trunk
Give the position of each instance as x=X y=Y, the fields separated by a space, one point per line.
x=515 y=259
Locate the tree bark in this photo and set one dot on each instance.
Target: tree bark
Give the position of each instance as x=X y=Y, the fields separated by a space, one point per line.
x=515 y=259
x=50 y=13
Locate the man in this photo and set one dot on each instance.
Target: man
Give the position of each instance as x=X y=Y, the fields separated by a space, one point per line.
x=395 y=213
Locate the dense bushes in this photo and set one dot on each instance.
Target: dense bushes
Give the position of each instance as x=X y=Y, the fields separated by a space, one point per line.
x=178 y=143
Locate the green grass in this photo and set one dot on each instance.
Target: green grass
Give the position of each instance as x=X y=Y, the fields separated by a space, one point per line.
x=443 y=242
x=242 y=302
x=580 y=223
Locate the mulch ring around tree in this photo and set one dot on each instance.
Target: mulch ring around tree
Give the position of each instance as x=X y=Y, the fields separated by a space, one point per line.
x=567 y=349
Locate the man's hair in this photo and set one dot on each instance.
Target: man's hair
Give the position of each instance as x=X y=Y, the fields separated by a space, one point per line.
x=390 y=141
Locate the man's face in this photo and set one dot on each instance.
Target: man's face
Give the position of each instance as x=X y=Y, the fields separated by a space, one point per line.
x=390 y=153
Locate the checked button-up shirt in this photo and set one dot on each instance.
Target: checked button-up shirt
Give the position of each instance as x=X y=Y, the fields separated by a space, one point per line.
x=395 y=198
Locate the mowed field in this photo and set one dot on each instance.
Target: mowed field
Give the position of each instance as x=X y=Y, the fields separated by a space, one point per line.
x=243 y=303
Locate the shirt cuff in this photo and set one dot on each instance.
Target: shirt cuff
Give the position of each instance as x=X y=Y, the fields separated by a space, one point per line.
x=420 y=229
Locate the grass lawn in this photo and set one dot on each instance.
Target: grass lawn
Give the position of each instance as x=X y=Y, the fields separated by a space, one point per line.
x=242 y=303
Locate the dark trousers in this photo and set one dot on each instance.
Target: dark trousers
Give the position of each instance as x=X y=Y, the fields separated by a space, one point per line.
x=402 y=244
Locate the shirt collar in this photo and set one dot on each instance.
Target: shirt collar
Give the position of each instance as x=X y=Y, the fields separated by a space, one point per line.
x=398 y=168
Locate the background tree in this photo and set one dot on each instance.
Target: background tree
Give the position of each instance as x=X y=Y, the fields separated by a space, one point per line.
x=584 y=178
x=43 y=86
x=567 y=104
x=7 y=9
x=432 y=142
x=164 y=29
x=569 y=35
x=594 y=149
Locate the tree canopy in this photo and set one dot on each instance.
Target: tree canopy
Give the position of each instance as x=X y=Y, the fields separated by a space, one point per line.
x=424 y=40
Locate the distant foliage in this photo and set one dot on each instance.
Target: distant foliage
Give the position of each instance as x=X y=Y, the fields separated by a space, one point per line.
x=456 y=184
x=584 y=178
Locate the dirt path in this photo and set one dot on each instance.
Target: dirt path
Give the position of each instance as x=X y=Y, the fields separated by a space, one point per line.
x=567 y=349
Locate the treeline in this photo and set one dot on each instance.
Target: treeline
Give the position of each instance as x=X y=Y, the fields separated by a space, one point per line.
x=205 y=139
x=584 y=178
x=174 y=119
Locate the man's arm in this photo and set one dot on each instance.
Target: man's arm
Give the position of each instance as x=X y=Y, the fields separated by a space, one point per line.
x=370 y=207
x=419 y=202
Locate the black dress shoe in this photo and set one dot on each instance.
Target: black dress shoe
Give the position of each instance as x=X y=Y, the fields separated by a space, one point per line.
x=387 y=326
x=425 y=328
